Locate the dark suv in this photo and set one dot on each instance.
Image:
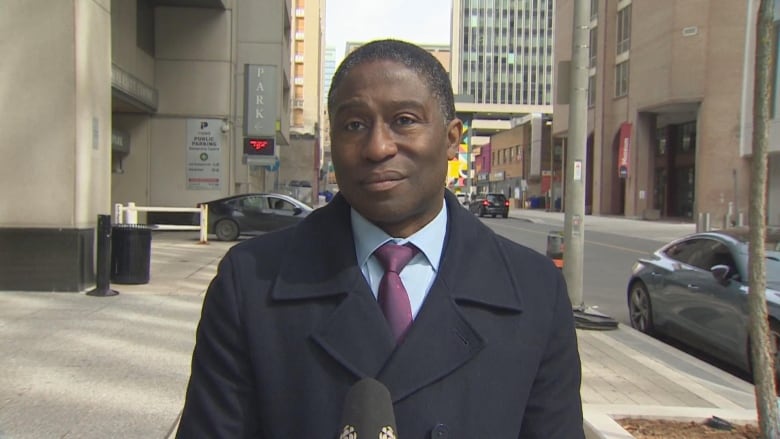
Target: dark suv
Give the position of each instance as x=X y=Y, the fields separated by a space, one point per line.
x=490 y=204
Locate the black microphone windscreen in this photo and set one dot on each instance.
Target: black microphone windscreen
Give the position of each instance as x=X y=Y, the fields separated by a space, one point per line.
x=368 y=412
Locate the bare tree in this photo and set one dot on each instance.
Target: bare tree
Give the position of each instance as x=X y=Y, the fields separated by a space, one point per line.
x=762 y=346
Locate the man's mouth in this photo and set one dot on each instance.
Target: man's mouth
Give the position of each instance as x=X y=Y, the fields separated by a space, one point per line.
x=382 y=182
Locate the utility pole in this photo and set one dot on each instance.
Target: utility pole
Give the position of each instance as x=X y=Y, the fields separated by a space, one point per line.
x=574 y=225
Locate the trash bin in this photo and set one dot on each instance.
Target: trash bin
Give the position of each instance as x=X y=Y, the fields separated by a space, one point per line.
x=131 y=252
x=555 y=247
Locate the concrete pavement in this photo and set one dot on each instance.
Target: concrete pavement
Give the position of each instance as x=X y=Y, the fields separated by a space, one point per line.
x=76 y=366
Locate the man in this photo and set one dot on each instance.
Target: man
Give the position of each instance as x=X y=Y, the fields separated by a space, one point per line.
x=292 y=319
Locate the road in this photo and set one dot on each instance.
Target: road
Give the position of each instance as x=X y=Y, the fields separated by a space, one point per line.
x=608 y=259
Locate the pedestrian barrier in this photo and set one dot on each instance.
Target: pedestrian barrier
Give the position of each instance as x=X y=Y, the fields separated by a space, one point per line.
x=129 y=215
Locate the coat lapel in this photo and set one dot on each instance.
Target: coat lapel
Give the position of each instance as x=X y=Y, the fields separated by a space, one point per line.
x=442 y=338
x=322 y=268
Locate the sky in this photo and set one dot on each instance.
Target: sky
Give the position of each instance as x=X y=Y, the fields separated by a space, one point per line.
x=417 y=21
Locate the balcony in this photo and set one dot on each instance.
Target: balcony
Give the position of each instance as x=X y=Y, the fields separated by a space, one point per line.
x=297 y=103
x=298 y=80
x=298 y=36
x=299 y=12
x=298 y=58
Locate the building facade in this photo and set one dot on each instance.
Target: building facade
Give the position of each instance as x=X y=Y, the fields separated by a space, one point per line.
x=501 y=69
x=669 y=108
x=299 y=170
x=151 y=101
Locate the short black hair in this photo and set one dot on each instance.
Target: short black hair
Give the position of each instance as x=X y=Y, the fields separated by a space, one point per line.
x=410 y=55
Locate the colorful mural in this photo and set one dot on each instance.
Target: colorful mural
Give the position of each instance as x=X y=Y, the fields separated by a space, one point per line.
x=458 y=168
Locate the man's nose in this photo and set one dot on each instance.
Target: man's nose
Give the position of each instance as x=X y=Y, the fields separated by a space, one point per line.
x=380 y=143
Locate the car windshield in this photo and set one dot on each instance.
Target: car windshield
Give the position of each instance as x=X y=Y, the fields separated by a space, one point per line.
x=496 y=198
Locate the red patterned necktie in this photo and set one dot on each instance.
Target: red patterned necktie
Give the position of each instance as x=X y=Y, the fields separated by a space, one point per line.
x=393 y=298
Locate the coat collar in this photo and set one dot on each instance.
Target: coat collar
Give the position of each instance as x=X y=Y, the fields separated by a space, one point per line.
x=473 y=271
x=318 y=264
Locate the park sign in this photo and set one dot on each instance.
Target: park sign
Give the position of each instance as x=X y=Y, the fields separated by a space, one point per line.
x=260 y=98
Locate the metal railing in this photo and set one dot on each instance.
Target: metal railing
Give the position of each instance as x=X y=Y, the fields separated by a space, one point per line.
x=129 y=215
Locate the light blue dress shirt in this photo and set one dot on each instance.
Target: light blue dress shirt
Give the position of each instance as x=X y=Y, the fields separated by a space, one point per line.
x=419 y=273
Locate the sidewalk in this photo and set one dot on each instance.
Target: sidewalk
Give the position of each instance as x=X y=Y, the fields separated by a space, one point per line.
x=662 y=231
x=76 y=366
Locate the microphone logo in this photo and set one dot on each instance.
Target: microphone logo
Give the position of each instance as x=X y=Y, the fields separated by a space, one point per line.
x=349 y=432
x=387 y=433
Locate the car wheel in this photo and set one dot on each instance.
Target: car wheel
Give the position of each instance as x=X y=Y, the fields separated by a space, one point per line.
x=481 y=212
x=226 y=230
x=640 y=310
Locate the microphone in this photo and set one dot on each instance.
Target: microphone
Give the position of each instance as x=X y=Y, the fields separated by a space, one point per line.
x=368 y=412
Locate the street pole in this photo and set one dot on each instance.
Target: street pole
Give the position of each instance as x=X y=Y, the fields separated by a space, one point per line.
x=574 y=227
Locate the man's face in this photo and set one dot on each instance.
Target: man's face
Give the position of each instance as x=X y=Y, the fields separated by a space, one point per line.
x=390 y=146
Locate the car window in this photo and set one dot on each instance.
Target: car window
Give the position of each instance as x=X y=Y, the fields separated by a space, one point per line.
x=702 y=253
x=280 y=204
x=688 y=251
x=496 y=198
x=254 y=203
x=718 y=254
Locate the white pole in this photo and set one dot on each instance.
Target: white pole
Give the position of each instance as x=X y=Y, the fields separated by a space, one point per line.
x=118 y=213
x=204 y=223
x=131 y=213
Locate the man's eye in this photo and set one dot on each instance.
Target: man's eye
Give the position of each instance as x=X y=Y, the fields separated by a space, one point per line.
x=353 y=126
x=405 y=120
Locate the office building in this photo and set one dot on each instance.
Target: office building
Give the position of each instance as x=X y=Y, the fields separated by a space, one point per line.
x=502 y=70
x=300 y=163
x=144 y=101
x=669 y=109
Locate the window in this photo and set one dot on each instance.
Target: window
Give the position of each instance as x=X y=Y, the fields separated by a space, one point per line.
x=591 y=90
x=624 y=30
x=661 y=136
x=621 y=79
x=592 y=48
x=688 y=137
x=594 y=9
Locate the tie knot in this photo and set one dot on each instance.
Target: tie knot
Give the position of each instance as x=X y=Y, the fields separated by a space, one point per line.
x=394 y=257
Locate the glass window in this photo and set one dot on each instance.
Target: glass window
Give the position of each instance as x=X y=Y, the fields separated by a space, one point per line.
x=280 y=204
x=661 y=136
x=692 y=252
x=688 y=137
x=591 y=90
x=256 y=204
x=592 y=48
x=621 y=79
x=594 y=9
x=624 y=30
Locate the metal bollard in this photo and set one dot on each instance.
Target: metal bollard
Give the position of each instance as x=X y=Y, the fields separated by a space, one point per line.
x=703 y=224
x=103 y=273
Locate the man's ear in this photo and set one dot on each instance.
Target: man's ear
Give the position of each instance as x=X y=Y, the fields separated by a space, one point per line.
x=454 y=134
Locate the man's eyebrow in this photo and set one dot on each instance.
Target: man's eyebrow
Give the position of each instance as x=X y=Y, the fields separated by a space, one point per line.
x=347 y=105
x=394 y=105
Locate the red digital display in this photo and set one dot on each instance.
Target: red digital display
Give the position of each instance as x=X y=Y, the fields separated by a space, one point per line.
x=259 y=146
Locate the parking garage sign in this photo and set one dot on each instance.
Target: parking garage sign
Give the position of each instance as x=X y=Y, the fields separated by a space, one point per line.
x=204 y=151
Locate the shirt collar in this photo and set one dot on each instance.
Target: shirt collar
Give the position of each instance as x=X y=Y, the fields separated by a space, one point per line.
x=430 y=239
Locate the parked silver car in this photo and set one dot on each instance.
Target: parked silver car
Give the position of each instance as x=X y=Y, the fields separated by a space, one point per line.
x=695 y=289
